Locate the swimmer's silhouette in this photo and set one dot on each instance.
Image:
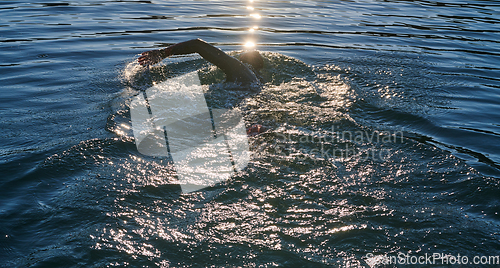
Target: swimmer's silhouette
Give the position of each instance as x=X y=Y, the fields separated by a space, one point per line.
x=235 y=70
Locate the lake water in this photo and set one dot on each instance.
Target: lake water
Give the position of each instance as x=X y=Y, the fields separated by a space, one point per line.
x=384 y=138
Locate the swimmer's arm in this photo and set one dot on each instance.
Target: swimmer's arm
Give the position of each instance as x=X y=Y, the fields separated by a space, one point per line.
x=206 y=50
x=233 y=68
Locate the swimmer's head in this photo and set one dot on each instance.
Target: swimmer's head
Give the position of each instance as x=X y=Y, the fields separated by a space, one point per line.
x=253 y=58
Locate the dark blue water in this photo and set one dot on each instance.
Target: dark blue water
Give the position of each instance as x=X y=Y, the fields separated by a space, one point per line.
x=384 y=135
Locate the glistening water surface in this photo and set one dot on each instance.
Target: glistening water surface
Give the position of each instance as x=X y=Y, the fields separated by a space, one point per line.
x=384 y=134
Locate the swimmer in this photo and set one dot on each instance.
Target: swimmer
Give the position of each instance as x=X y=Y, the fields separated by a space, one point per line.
x=235 y=70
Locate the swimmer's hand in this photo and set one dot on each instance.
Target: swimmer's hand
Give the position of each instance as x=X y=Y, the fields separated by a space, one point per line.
x=154 y=56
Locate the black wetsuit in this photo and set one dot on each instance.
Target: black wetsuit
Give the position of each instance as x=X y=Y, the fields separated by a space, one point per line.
x=234 y=69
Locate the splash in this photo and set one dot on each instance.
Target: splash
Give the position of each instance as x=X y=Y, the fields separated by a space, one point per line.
x=136 y=76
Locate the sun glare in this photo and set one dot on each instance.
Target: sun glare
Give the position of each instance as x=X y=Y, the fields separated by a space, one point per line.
x=249 y=44
x=253 y=28
x=255 y=16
